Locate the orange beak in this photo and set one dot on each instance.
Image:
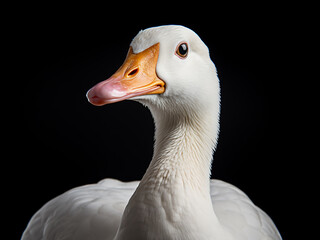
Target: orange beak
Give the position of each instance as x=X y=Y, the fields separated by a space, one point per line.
x=137 y=76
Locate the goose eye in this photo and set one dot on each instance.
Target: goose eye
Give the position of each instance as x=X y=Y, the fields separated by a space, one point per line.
x=182 y=50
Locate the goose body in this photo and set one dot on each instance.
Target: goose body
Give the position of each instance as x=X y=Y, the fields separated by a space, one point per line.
x=169 y=70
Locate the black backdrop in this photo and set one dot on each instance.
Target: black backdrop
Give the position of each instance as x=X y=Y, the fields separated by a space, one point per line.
x=64 y=142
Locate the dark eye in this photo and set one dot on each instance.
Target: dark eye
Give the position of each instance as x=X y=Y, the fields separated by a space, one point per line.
x=182 y=50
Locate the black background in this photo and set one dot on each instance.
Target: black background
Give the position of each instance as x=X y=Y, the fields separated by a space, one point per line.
x=61 y=141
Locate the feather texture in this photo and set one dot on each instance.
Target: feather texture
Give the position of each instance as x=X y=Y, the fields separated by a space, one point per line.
x=175 y=198
x=94 y=212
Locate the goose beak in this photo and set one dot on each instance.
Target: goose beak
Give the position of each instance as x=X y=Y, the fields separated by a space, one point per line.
x=136 y=77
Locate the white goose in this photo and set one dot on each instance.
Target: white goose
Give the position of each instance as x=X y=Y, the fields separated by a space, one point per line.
x=168 y=69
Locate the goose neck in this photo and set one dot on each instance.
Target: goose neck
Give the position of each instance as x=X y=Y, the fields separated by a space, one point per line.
x=183 y=149
x=173 y=196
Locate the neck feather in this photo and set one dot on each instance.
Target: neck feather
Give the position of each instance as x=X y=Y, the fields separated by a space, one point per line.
x=183 y=147
x=173 y=197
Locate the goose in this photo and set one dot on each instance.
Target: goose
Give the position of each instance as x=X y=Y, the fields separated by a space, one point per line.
x=169 y=70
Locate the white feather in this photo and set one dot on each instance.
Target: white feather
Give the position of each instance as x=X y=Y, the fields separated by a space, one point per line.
x=176 y=198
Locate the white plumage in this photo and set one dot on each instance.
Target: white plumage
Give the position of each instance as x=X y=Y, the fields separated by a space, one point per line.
x=176 y=198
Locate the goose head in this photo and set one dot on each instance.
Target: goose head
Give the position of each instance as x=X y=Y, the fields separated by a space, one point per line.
x=167 y=68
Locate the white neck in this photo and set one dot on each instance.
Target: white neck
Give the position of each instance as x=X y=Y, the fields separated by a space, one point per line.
x=183 y=148
x=173 y=198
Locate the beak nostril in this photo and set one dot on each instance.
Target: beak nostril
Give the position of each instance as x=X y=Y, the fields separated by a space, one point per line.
x=133 y=72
